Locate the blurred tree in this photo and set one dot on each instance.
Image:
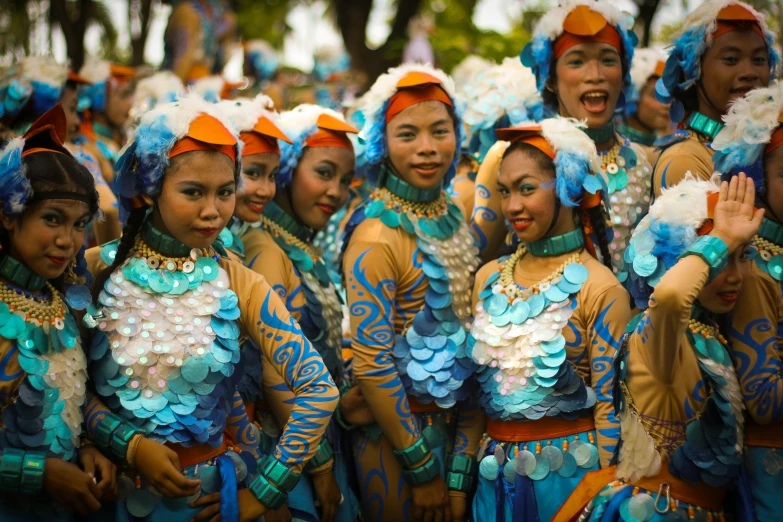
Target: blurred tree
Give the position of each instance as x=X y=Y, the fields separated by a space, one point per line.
x=16 y=27
x=139 y=18
x=264 y=20
x=644 y=20
x=74 y=18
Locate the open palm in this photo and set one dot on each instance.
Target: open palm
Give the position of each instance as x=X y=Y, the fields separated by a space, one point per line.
x=736 y=220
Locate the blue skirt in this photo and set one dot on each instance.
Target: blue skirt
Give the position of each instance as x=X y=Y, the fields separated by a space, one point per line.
x=765 y=471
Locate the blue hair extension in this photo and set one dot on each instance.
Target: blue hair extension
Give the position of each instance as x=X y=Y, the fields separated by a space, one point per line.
x=44 y=97
x=670 y=241
x=15 y=187
x=571 y=173
x=290 y=154
x=15 y=96
x=93 y=97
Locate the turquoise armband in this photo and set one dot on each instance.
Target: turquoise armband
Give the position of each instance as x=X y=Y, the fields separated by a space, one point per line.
x=413 y=454
x=423 y=474
x=32 y=472
x=120 y=440
x=713 y=251
x=463 y=465
x=11 y=469
x=279 y=474
x=267 y=494
x=105 y=429
x=459 y=482
x=322 y=455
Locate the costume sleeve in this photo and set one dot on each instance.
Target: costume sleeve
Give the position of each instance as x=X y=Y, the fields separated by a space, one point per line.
x=754 y=341
x=242 y=431
x=94 y=410
x=11 y=374
x=371 y=283
x=609 y=316
x=272 y=263
x=666 y=321
x=487 y=222
x=470 y=427
x=266 y=321
x=676 y=161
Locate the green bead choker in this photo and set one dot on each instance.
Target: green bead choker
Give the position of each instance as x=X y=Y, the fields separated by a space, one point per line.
x=771 y=231
x=704 y=125
x=405 y=190
x=601 y=134
x=558 y=245
x=17 y=273
x=103 y=130
x=642 y=138
x=164 y=244
x=276 y=214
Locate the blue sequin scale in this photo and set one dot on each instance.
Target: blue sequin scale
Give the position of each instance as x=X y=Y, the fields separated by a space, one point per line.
x=169 y=348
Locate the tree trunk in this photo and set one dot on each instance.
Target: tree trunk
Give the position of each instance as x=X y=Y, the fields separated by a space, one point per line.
x=352 y=17
x=647 y=10
x=72 y=20
x=141 y=10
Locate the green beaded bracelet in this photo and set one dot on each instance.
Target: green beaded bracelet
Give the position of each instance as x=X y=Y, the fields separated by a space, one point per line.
x=413 y=454
x=459 y=482
x=279 y=474
x=322 y=455
x=713 y=251
x=11 y=469
x=267 y=494
x=462 y=465
x=32 y=472
x=120 y=440
x=424 y=473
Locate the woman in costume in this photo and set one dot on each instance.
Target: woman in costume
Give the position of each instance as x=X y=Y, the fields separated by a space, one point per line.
x=500 y=96
x=751 y=142
x=724 y=50
x=644 y=117
x=581 y=54
x=168 y=314
x=46 y=466
x=547 y=322
x=317 y=169
x=106 y=105
x=675 y=391
x=408 y=264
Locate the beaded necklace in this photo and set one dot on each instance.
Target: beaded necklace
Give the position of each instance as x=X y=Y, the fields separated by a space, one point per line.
x=704 y=125
x=643 y=138
x=280 y=233
x=421 y=209
x=39 y=310
x=514 y=291
x=172 y=264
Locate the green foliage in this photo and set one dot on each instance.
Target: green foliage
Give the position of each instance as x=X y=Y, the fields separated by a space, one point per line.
x=15 y=27
x=264 y=20
x=99 y=14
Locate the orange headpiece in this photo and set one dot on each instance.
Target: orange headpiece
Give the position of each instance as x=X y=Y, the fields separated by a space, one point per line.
x=583 y=25
x=263 y=138
x=331 y=133
x=206 y=133
x=734 y=17
x=416 y=87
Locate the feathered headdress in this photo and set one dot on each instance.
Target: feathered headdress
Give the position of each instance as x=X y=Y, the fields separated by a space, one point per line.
x=140 y=168
x=751 y=128
x=539 y=54
x=38 y=80
x=257 y=123
x=376 y=102
x=683 y=67
x=671 y=226
x=500 y=96
x=647 y=63
x=99 y=73
x=263 y=58
x=303 y=123
x=161 y=87
x=573 y=152
x=468 y=70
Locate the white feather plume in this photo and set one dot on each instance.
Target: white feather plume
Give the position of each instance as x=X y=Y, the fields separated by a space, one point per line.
x=179 y=115
x=566 y=135
x=753 y=118
x=42 y=69
x=303 y=117
x=551 y=24
x=245 y=112
x=466 y=71
x=707 y=13
x=644 y=63
x=208 y=85
x=95 y=70
x=158 y=86
x=685 y=204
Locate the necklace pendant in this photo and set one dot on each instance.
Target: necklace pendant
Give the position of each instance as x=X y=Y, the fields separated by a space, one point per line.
x=153 y=262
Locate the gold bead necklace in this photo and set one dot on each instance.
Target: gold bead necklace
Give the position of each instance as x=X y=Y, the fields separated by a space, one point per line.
x=172 y=264
x=36 y=310
x=279 y=232
x=422 y=209
x=513 y=291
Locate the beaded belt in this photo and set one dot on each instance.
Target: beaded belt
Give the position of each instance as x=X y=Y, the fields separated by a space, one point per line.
x=700 y=495
x=544 y=428
x=764 y=436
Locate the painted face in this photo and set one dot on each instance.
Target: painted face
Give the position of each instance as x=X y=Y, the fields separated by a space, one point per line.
x=773 y=174
x=736 y=63
x=422 y=143
x=69 y=100
x=720 y=295
x=197 y=198
x=259 y=172
x=119 y=98
x=319 y=186
x=48 y=235
x=652 y=113
x=529 y=199
x=589 y=81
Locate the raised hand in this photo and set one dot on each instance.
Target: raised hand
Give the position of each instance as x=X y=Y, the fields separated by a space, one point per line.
x=736 y=221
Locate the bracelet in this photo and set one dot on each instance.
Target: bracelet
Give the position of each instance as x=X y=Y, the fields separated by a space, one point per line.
x=11 y=469
x=267 y=494
x=280 y=474
x=713 y=251
x=113 y=435
x=424 y=473
x=413 y=454
x=323 y=454
x=32 y=472
x=459 y=482
x=462 y=465
x=105 y=429
x=133 y=447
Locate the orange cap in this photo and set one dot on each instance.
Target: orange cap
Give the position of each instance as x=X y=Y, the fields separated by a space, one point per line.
x=530 y=135
x=47 y=134
x=416 y=87
x=263 y=138
x=121 y=73
x=331 y=133
x=206 y=133
x=74 y=77
x=733 y=17
x=583 y=25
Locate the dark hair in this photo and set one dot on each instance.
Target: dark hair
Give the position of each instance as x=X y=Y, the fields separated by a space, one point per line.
x=543 y=161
